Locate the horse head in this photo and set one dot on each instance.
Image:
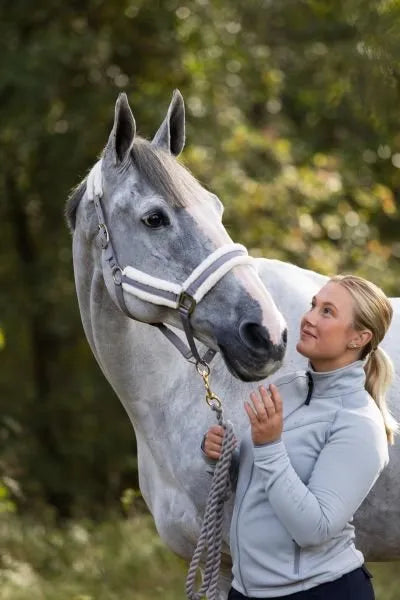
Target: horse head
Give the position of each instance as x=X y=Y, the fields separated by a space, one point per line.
x=163 y=224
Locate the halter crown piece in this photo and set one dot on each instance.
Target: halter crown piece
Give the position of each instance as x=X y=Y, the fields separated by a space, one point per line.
x=182 y=297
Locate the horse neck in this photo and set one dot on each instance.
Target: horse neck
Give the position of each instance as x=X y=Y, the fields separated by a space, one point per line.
x=143 y=368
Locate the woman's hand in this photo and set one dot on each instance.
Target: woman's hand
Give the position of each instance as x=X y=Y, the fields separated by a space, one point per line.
x=265 y=415
x=213 y=442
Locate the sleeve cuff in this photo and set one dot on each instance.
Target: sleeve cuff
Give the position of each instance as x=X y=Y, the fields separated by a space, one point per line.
x=267 y=443
x=272 y=451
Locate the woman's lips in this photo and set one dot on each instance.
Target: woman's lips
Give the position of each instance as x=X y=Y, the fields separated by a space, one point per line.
x=307 y=334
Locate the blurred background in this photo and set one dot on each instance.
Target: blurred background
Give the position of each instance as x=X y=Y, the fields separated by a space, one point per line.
x=292 y=119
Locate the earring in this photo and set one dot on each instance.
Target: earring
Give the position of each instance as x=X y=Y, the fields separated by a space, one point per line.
x=353 y=346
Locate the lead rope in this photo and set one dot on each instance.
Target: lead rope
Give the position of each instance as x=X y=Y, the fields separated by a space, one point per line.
x=210 y=539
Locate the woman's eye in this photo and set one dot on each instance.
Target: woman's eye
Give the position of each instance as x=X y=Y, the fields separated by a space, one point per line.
x=326 y=308
x=155 y=220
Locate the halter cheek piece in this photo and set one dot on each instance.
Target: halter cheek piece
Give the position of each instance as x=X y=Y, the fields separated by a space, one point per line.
x=182 y=297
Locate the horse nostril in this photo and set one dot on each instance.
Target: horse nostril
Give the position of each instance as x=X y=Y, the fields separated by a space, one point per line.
x=284 y=337
x=255 y=336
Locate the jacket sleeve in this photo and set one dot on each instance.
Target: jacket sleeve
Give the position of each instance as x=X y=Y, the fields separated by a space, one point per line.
x=344 y=473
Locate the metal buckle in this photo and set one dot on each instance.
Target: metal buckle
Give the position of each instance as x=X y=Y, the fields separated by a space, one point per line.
x=187 y=302
x=203 y=368
x=104 y=237
x=117 y=275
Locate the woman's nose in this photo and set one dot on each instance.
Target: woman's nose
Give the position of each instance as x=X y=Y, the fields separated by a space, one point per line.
x=309 y=318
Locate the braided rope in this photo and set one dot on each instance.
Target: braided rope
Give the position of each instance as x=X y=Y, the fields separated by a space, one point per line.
x=210 y=539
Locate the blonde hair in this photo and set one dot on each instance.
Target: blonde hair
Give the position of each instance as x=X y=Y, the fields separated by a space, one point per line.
x=372 y=310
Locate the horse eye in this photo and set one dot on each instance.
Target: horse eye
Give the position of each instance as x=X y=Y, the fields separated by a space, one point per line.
x=155 y=220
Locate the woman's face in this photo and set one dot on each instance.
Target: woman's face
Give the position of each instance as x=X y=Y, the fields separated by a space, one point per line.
x=326 y=329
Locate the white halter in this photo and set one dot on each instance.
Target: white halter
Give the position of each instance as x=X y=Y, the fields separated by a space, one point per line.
x=184 y=296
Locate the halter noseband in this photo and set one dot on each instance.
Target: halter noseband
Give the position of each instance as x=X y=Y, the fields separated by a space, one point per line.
x=182 y=297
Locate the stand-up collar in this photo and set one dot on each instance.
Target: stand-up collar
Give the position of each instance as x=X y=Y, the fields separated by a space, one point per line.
x=336 y=382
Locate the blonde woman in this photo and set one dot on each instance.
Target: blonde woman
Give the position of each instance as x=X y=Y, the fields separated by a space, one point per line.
x=299 y=485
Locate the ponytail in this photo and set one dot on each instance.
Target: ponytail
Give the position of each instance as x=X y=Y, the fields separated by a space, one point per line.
x=379 y=373
x=372 y=310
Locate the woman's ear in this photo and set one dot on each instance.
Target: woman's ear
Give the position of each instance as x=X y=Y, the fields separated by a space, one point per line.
x=361 y=339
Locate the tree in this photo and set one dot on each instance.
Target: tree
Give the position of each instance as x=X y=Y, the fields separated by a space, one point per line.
x=292 y=119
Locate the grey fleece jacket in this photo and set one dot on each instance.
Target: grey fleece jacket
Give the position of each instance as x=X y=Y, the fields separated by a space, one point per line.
x=295 y=500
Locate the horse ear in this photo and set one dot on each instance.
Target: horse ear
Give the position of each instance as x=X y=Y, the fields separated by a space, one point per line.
x=123 y=131
x=171 y=134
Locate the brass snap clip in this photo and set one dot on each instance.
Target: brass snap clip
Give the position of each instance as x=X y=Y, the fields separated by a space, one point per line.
x=212 y=399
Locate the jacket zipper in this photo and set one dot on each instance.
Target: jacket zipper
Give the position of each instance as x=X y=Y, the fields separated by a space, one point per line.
x=297 y=550
x=237 y=533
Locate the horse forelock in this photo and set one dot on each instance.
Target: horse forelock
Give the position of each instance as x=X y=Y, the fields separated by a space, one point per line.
x=169 y=178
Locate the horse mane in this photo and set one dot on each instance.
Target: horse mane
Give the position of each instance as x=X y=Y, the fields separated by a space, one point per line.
x=161 y=171
x=72 y=204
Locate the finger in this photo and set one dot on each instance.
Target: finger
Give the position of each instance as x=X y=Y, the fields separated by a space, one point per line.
x=250 y=413
x=214 y=439
x=276 y=397
x=216 y=430
x=267 y=401
x=210 y=447
x=259 y=406
x=214 y=455
x=212 y=450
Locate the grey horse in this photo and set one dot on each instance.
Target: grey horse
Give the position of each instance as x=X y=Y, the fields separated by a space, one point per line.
x=164 y=224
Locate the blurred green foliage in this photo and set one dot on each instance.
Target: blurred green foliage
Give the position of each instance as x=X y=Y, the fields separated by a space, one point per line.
x=292 y=118
x=6 y=504
x=114 y=560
